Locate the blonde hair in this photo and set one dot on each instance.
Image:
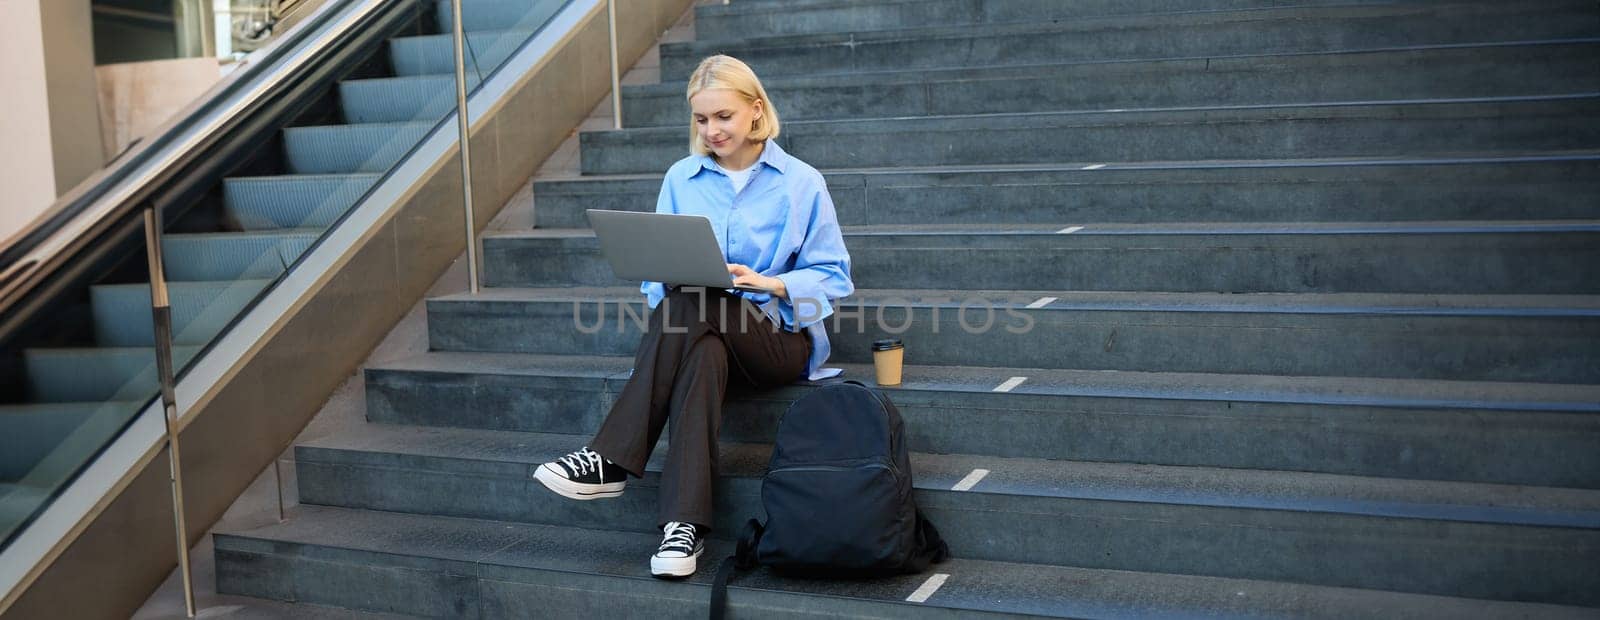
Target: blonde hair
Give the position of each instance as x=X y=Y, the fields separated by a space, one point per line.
x=727 y=72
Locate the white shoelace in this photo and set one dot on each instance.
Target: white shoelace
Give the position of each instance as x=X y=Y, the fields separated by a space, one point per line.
x=679 y=536
x=582 y=461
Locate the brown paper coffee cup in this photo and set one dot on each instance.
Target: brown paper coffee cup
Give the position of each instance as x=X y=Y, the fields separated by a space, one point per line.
x=887 y=358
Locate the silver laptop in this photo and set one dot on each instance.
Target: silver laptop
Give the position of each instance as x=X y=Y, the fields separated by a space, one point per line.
x=666 y=248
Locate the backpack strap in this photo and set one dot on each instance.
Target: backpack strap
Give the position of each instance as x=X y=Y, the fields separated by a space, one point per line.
x=930 y=540
x=743 y=559
x=931 y=548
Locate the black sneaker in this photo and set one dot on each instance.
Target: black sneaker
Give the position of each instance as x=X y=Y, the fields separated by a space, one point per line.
x=680 y=547
x=583 y=475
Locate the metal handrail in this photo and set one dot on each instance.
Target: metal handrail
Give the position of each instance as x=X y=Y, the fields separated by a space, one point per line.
x=30 y=257
x=458 y=40
x=161 y=313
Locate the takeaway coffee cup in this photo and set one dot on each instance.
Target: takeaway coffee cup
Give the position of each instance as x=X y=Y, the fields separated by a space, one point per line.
x=887 y=356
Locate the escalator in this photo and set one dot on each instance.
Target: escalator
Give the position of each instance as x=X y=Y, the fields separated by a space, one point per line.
x=245 y=183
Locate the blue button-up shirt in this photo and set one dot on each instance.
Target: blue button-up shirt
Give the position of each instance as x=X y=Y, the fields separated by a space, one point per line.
x=781 y=225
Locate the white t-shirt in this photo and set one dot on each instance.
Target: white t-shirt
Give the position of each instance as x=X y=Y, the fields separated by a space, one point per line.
x=740 y=178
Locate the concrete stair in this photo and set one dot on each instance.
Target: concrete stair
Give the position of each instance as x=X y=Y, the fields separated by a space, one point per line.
x=1214 y=522
x=757 y=18
x=451 y=567
x=1520 y=433
x=1531 y=186
x=1354 y=129
x=1548 y=339
x=1497 y=69
x=1552 y=257
x=1291 y=313
x=1161 y=35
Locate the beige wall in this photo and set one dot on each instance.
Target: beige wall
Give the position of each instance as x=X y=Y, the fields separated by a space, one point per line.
x=51 y=125
x=74 y=96
x=27 y=171
x=137 y=97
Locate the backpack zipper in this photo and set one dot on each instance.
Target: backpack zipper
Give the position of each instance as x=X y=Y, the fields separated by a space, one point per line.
x=893 y=472
x=834 y=468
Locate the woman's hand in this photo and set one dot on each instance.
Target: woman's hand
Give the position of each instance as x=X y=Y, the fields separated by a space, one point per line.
x=745 y=276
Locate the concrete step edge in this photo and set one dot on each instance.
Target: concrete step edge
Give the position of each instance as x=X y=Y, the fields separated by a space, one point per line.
x=916 y=76
x=1247 y=16
x=1582 y=306
x=1091 y=229
x=1340 y=391
x=610 y=562
x=1123 y=117
x=1151 y=166
x=471 y=450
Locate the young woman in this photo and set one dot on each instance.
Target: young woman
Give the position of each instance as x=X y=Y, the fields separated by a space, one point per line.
x=776 y=224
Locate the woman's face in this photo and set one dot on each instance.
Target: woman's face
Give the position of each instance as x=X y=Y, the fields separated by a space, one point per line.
x=724 y=121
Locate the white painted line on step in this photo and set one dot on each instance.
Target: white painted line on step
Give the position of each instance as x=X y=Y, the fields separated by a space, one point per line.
x=1069 y=230
x=1010 y=384
x=970 y=481
x=1042 y=302
x=928 y=588
x=1094 y=167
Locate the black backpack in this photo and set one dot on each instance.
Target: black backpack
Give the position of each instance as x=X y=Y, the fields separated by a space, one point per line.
x=837 y=494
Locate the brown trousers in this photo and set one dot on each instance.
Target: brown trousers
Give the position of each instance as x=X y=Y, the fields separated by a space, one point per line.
x=694 y=341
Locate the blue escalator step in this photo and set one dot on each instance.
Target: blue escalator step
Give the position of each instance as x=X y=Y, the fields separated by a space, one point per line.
x=343 y=149
x=293 y=201
x=498 y=14
x=400 y=99
x=17 y=503
x=30 y=433
x=435 y=54
x=43 y=444
x=199 y=311
x=96 y=374
x=233 y=255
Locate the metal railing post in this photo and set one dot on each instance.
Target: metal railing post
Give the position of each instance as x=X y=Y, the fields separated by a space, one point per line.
x=463 y=125
x=161 y=311
x=277 y=479
x=616 y=75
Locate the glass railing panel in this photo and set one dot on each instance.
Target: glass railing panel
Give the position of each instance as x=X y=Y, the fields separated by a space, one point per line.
x=69 y=393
